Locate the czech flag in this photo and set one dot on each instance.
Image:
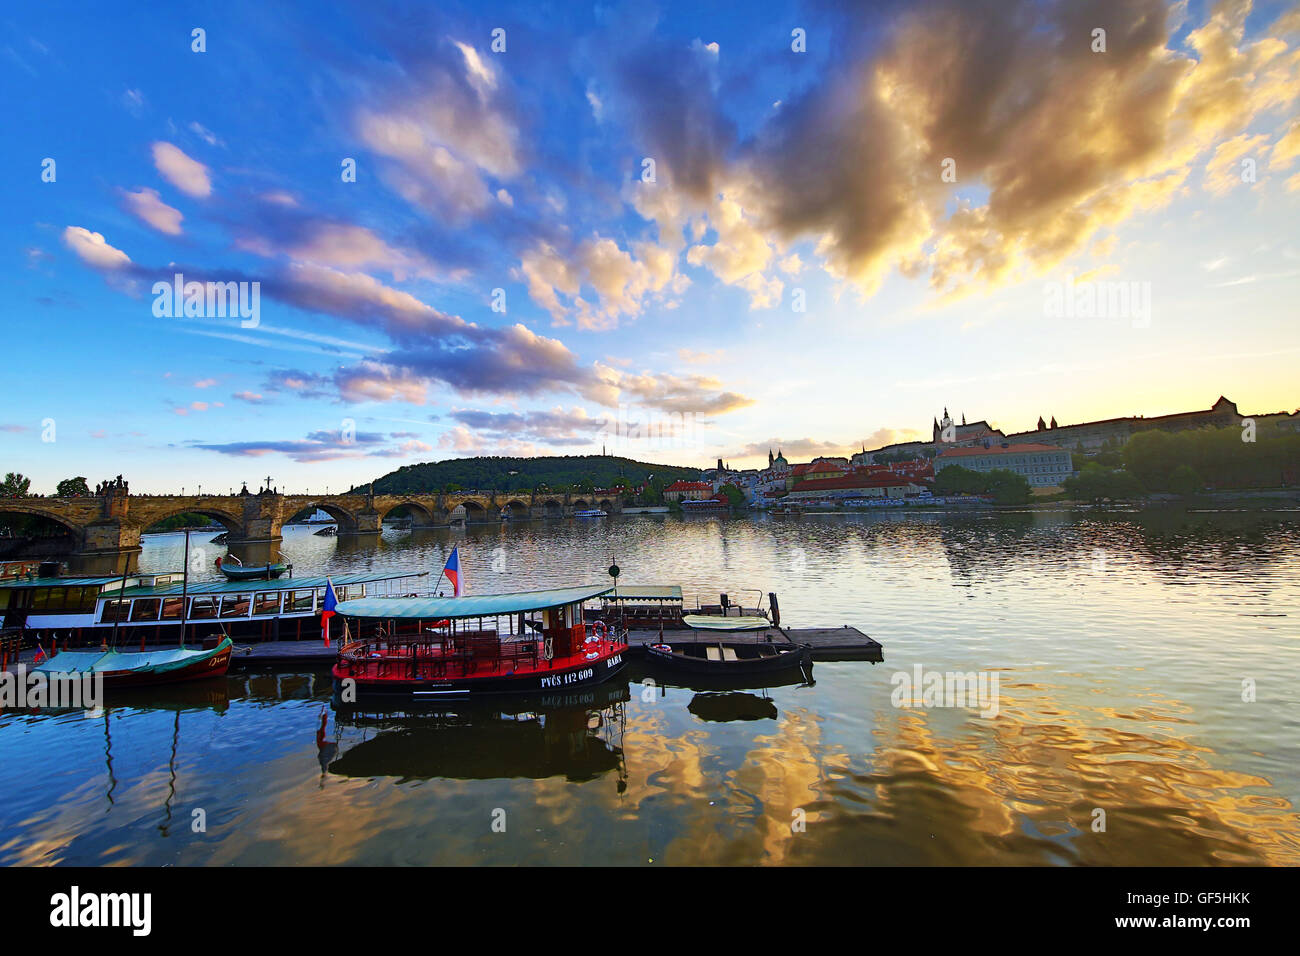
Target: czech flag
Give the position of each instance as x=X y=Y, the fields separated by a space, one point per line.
x=327 y=610
x=452 y=570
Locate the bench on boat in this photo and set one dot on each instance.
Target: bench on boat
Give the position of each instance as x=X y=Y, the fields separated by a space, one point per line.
x=724 y=654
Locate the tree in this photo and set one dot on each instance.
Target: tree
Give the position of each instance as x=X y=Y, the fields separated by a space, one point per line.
x=1184 y=480
x=72 y=488
x=735 y=497
x=1097 y=483
x=15 y=485
x=1007 y=487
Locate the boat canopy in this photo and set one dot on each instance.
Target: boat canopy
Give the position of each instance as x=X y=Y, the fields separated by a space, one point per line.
x=197 y=588
x=479 y=605
x=648 y=592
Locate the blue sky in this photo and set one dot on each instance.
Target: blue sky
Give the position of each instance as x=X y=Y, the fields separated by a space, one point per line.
x=659 y=319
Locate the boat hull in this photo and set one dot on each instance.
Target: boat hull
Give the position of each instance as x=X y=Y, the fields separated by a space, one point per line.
x=366 y=690
x=202 y=665
x=266 y=572
x=675 y=658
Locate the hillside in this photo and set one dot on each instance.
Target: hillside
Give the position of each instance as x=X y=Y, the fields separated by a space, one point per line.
x=524 y=474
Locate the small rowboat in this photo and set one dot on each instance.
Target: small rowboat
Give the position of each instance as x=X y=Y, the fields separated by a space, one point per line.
x=718 y=622
x=729 y=657
x=159 y=665
x=241 y=572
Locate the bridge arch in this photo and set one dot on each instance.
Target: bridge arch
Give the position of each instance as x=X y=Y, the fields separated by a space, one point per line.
x=421 y=514
x=346 y=521
x=19 y=507
x=232 y=523
x=580 y=504
x=516 y=508
x=552 y=507
x=605 y=503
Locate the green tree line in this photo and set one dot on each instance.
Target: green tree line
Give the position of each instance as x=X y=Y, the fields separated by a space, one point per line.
x=558 y=473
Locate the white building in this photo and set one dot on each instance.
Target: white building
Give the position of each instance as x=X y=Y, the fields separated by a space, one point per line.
x=1043 y=465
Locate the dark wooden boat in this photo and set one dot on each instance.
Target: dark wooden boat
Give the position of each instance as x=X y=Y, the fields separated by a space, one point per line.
x=713 y=656
x=158 y=665
x=241 y=572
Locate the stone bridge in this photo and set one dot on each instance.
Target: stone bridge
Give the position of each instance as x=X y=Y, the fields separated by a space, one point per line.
x=113 y=521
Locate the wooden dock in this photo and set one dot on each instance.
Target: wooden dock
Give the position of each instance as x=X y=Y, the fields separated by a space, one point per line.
x=828 y=643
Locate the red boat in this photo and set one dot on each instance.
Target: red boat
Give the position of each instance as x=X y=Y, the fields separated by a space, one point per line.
x=413 y=650
x=157 y=665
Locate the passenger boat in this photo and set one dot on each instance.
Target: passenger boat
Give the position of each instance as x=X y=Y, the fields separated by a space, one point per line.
x=158 y=665
x=82 y=610
x=258 y=572
x=422 y=650
x=728 y=657
x=591 y=513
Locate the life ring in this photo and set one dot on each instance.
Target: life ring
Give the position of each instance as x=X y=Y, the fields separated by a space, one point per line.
x=662 y=648
x=601 y=630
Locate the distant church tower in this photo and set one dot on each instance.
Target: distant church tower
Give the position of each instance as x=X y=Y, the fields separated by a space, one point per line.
x=1042 y=425
x=1053 y=421
x=769 y=458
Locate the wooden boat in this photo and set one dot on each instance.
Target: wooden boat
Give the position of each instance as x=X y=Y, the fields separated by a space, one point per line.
x=720 y=622
x=711 y=656
x=158 y=665
x=418 y=650
x=260 y=572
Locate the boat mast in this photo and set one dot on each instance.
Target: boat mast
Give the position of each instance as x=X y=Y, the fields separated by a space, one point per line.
x=185 y=585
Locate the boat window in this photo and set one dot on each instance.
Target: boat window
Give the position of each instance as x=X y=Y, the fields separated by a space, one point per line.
x=114 y=611
x=235 y=605
x=4 y=600
x=203 y=607
x=267 y=602
x=47 y=599
x=300 y=601
x=145 y=609
x=171 y=608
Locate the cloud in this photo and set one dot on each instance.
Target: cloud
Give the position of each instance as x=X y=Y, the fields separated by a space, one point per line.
x=252 y=398
x=94 y=250
x=146 y=205
x=444 y=132
x=555 y=427
x=1058 y=143
x=319 y=446
x=205 y=383
x=620 y=279
x=793 y=449
x=186 y=174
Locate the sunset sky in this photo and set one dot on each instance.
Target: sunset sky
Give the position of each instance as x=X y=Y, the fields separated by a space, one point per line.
x=1170 y=162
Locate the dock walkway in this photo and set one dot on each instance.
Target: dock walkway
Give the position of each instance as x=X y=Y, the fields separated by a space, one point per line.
x=828 y=643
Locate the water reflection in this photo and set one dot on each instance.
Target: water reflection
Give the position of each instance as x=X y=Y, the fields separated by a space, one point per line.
x=575 y=736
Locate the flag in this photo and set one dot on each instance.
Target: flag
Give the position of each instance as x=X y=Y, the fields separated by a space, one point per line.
x=327 y=610
x=452 y=570
x=40 y=653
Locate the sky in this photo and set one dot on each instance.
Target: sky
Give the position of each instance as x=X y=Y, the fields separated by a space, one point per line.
x=678 y=232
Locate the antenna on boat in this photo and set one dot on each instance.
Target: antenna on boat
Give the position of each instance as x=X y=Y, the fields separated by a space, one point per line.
x=185 y=585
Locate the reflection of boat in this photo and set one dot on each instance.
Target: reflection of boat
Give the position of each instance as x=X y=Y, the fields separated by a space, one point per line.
x=576 y=735
x=732 y=706
x=159 y=665
x=426 y=649
x=258 y=572
x=714 y=656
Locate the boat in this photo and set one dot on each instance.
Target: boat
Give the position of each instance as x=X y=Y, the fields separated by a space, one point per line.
x=719 y=622
x=148 y=607
x=157 y=665
x=424 y=650
x=143 y=668
x=326 y=532
x=260 y=572
x=706 y=504
x=591 y=513
x=710 y=656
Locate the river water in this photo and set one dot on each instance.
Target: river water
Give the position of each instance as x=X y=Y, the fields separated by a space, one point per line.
x=1147 y=671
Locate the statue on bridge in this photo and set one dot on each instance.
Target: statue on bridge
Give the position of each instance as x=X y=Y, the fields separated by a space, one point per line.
x=114 y=486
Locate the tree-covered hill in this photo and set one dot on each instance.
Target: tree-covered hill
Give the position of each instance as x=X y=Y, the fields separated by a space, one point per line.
x=525 y=474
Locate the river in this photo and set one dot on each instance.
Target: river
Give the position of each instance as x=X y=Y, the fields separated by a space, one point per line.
x=1147 y=667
